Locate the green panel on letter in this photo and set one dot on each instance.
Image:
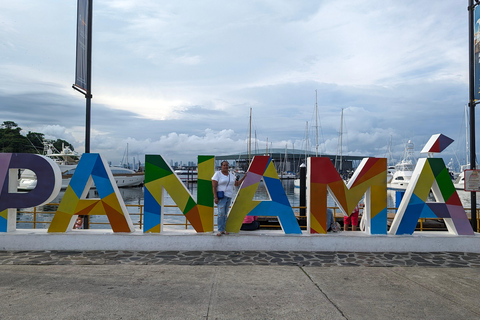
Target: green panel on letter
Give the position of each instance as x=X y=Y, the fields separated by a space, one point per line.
x=205 y=193
x=190 y=204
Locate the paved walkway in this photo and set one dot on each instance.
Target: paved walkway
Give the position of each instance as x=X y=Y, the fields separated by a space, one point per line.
x=281 y=258
x=238 y=285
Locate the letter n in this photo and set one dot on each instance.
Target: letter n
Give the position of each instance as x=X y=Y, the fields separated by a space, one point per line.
x=92 y=167
x=370 y=179
x=160 y=177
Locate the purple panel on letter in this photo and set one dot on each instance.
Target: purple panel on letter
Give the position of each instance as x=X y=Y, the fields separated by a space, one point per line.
x=4 y=163
x=47 y=182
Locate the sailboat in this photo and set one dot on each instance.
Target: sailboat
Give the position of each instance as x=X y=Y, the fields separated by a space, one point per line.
x=285 y=174
x=296 y=182
x=459 y=182
x=339 y=155
x=390 y=166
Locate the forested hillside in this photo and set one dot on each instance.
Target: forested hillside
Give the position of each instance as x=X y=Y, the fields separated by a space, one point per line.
x=12 y=141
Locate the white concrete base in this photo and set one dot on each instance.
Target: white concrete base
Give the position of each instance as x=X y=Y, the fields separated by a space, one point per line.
x=261 y=240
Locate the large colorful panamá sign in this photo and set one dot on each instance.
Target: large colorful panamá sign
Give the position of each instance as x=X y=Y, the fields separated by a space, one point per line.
x=369 y=181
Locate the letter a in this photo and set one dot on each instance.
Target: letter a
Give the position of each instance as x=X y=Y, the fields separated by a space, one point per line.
x=92 y=168
x=431 y=174
x=279 y=206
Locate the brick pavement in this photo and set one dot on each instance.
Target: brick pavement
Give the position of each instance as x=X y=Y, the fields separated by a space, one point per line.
x=282 y=258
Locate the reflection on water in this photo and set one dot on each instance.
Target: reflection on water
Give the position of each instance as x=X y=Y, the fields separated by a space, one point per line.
x=134 y=196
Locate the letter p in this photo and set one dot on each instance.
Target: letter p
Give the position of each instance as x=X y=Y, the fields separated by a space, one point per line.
x=49 y=183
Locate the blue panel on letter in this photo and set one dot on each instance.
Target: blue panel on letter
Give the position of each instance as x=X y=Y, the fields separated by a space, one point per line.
x=379 y=223
x=3 y=224
x=284 y=213
x=276 y=191
x=82 y=173
x=427 y=212
x=152 y=211
x=410 y=218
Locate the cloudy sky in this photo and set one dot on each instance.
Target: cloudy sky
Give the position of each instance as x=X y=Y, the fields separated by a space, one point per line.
x=178 y=78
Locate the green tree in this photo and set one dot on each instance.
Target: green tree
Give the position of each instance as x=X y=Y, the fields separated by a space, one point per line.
x=60 y=143
x=36 y=140
x=12 y=141
x=10 y=125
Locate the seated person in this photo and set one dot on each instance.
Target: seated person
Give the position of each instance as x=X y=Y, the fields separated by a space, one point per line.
x=78 y=223
x=352 y=219
x=330 y=219
x=250 y=223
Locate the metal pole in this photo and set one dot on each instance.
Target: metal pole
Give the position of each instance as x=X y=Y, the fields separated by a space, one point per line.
x=250 y=139
x=471 y=104
x=303 y=189
x=88 y=95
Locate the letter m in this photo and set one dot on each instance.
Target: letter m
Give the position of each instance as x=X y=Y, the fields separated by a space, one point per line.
x=370 y=179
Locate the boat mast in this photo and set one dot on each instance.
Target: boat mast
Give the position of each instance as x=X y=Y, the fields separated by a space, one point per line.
x=306 y=142
x=471 y=104
x=250 y=139
x=466 y=138
x=388 y=153
x=316 y=125
x=128 y=163
x=340 y=143
x=294 y=168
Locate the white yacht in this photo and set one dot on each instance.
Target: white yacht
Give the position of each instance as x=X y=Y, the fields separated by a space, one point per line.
x=403 y=170
x=390 y=172
x=459 y=182
x=67 y=160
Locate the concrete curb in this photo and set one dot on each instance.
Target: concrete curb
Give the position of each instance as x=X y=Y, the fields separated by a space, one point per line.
x=39 y=239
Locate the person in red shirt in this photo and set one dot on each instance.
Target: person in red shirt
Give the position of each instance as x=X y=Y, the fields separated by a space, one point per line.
x=352 y=219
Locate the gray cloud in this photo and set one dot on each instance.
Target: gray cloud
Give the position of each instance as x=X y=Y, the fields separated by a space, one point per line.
x=179 y=78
